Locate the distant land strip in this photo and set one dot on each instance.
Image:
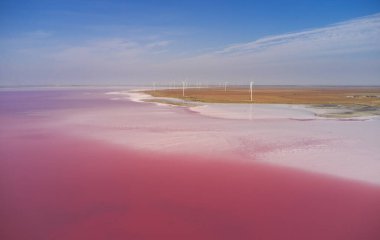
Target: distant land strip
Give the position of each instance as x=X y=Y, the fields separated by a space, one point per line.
x=367 y=96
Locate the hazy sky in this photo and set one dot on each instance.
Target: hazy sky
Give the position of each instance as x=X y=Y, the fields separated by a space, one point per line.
x=309 y=42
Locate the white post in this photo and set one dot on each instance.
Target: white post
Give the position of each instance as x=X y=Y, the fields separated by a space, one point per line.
x=251 y=90
x=183 y=89
x=225 y=86
x=154 y=86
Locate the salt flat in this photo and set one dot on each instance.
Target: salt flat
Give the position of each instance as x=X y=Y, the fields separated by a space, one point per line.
x=287 y=135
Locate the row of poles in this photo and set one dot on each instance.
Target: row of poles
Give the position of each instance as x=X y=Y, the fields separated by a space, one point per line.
x=184 y=85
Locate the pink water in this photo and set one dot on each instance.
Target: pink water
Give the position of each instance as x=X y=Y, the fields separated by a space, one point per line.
x=55 y=185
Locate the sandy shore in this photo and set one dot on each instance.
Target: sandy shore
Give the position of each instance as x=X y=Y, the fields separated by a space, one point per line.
x=369 y=96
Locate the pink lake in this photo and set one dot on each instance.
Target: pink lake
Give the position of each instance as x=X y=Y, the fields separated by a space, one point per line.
x=77 y=165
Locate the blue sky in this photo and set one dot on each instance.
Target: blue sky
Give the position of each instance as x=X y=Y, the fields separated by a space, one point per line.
x=109 y=42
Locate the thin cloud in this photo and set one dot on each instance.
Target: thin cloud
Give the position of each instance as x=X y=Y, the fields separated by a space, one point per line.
x=159 y=44
x=355 y=33
x=113 y=49
x=39 y=34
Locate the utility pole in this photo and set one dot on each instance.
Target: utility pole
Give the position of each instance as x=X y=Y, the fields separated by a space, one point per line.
x=251 y=90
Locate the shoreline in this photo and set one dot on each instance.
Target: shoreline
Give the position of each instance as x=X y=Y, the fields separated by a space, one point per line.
x=326 y=103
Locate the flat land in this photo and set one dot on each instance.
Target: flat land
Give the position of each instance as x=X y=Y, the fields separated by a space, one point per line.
x=368 y=96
